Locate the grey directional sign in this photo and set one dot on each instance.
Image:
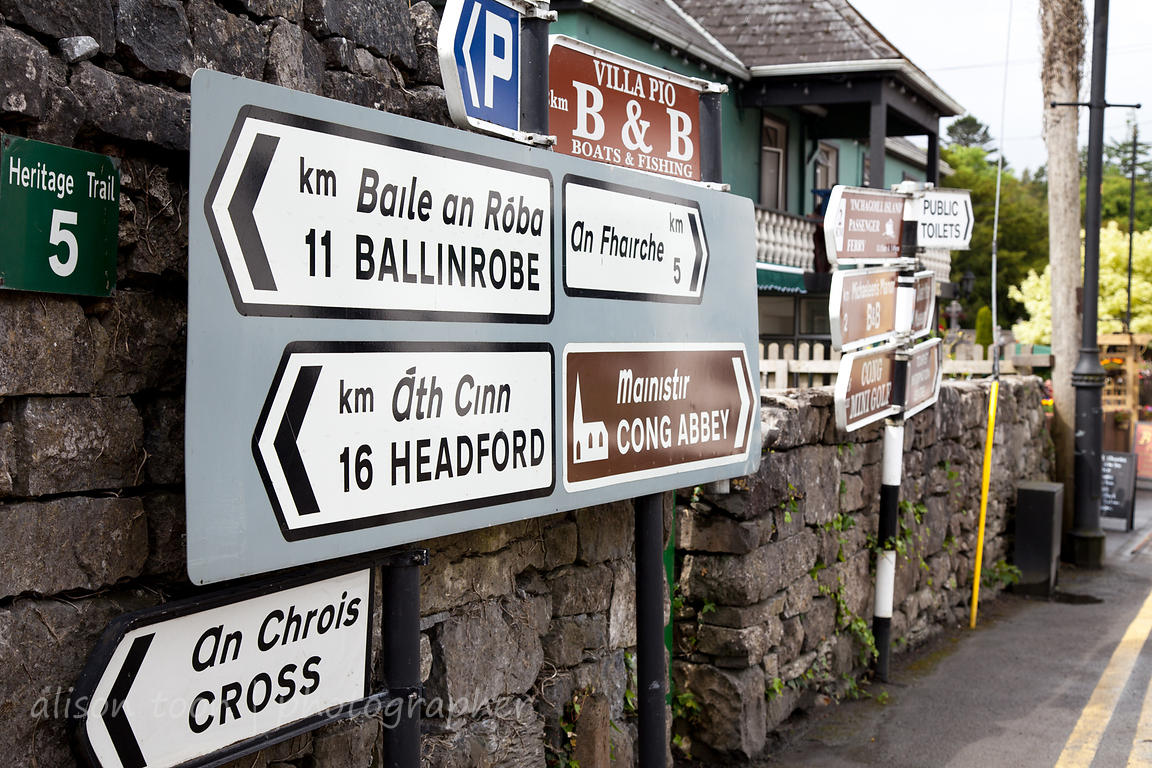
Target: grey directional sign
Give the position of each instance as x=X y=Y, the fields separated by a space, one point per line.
x=379 y=315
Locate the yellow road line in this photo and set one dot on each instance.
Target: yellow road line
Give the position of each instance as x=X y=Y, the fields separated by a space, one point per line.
x=1141 y=754
x=1085 y=739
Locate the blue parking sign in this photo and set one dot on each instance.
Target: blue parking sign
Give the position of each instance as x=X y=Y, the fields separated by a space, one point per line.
x=479 y=51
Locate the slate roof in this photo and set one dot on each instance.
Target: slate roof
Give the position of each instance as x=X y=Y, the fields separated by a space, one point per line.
x=666 y=21
x=769 y=38
x=768 y=32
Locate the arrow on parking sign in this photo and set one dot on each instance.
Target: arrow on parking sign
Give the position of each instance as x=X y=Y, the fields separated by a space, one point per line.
x=479 y=50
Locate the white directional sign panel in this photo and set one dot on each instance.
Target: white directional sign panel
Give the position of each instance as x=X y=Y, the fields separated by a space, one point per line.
x=921 y=289
x=191 y=679
x=378 y=309
x=356 y=434
x=321 y=220
x=626 y=243
x=924 y=374
x=478 y=46
x=943 y=218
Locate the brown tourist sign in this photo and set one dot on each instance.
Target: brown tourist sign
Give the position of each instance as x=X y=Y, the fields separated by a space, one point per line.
x=864 y=391
x=634 y=411
x=924 y=303
x=616 y=110
x=863 y=225
x=862 y=307
x=924 y=372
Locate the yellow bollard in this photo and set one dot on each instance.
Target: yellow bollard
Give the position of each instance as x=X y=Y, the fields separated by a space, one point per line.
x=984 y=499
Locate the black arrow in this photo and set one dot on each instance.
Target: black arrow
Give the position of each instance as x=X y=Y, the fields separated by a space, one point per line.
x=240 y=209
x=699 y=251
x=286 y=448
x=115 y=719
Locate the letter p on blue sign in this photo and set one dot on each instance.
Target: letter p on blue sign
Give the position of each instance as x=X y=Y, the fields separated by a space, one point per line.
x=481 y=65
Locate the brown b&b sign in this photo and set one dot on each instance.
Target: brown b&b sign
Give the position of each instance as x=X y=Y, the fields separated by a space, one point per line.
x=616 y=110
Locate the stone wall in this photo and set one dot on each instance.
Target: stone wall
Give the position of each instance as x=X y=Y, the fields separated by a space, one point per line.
x=523 y=624
x=773 y=606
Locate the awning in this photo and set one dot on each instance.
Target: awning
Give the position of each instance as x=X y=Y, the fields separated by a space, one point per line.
x=776 y=278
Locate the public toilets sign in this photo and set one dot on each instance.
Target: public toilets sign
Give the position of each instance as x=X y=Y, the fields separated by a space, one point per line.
x=378 y=323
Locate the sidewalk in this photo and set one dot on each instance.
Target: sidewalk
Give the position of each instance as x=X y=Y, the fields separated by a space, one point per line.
x=1013 y=692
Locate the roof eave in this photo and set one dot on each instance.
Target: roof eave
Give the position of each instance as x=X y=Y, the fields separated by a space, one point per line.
x=730 y=67
x=913 y=74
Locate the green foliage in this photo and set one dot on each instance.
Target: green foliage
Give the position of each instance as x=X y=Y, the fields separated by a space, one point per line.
x=841 y=523
x=967 y=131
x=685 y=707
x=1034 y=291
x=1023 y=238
x=563 y=757
x=630 y=700
x=984 y=328
x=791 y=504
x=774 y=688
x=1002 y=573
x=847 y=620
x=677 y=599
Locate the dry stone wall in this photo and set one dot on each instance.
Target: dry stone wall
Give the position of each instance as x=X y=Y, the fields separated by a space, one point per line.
x=519 y=621
x=773 y=606
x=528 y=629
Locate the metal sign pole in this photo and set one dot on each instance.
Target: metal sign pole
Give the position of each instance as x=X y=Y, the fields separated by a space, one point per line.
x=400 y=656
x=892 y=468
x=651 y=666
x=651 y=672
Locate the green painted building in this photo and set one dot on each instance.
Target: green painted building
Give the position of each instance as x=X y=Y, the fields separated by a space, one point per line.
x=816 y=97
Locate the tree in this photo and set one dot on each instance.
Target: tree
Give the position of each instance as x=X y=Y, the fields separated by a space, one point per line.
x=1118 y=155
x=1034 y=291
x=969 y=132
x=1023 y=238
x=984 y=337
x=1062 y=25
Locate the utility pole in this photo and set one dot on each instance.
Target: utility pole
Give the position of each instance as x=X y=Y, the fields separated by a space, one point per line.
x=1131 y=225
x=1086 y=537
x=1088 y=376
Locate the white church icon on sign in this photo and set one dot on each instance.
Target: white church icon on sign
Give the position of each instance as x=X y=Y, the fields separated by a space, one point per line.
x=589 y=441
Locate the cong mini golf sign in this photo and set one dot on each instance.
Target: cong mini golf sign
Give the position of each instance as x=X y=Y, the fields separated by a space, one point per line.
x=387 y=320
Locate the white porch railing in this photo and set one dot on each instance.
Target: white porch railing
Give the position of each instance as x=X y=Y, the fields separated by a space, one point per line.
x=784 y=239
x=817 y=363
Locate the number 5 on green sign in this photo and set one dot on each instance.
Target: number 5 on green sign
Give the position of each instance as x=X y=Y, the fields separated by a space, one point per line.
x=57 y=236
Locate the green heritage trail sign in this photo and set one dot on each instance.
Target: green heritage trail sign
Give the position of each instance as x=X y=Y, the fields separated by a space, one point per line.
x=59 y=218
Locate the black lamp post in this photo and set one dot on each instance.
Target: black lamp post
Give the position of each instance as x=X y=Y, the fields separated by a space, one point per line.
x=1088 y=377
x=967 y=283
